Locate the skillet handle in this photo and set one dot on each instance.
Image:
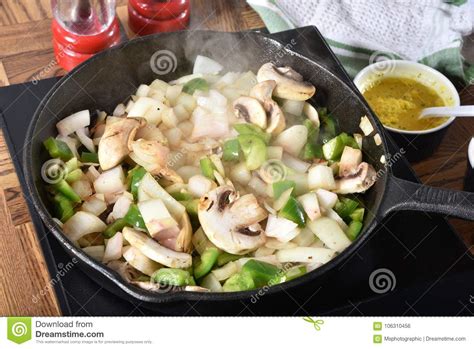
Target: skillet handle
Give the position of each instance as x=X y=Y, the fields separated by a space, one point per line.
x=405 y=195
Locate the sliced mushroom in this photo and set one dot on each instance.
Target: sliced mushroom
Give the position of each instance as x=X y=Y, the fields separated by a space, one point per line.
x=114 y=146
x=155 y=251
x=152 y=155
x=124 y=269
x=289 y=83
x=350 y=161
x=276 y=118
x=250 y=110
x=357 y=182
x=183 y=241
x=263 y=90
x=232 y=222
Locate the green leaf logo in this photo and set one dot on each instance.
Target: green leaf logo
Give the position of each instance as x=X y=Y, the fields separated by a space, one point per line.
x=19 y=329
x=316 y=323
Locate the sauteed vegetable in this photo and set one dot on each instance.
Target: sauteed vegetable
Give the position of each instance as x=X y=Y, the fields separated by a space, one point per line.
x=213 y=182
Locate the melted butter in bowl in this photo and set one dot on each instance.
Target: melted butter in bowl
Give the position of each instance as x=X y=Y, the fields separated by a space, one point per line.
x=398 y=101
x=397 y=90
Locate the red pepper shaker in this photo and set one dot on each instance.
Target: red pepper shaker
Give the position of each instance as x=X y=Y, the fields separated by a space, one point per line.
x=81 y=28
x=151 y=16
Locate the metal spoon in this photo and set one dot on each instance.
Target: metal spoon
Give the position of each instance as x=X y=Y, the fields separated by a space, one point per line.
x=439 y=112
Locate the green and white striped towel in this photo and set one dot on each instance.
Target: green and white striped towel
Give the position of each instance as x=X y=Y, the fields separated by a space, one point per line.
x=361 y=32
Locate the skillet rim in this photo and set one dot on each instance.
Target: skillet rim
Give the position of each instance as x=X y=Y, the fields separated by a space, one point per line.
x=175 y=296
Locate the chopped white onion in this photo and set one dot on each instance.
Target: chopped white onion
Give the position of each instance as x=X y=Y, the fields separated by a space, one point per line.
x=119 y=110
x=155 y=251
x=142 y=91
x=310 y=204
x=150 y=188
x=96 y=252
x=226 y=271
x=113 y=249
x=305 y=255
x=82 y=223
x=186 y=172
x=293 y=139
x=111 y=181
x=206 y=65
x=321 y=176
x=199 y=185
x=329 y=232
x=293 y=107
x=295 y=163
x=92 y=174
x=85 y=140
x=278 y=245
x=121 y=206
x=365 y=125
x=82 y=188
x=305 y=238
x=94 y=205
x=240 y=173
x=281 y=228
x=211 y=283
x=74 y=122
x=326 y=198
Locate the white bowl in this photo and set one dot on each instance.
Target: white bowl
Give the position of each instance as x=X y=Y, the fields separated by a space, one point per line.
x=412 y=70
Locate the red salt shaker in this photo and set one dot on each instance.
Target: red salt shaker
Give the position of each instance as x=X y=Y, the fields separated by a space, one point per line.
x=81 y=28
x=151 y=16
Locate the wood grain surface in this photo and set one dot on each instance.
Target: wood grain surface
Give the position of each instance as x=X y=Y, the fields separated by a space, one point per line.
x=26 y=54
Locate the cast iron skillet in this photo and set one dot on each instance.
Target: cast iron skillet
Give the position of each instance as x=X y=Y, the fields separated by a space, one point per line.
x=112 y=76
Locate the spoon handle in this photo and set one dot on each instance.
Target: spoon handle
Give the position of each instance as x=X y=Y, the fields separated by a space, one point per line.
x=460 y=111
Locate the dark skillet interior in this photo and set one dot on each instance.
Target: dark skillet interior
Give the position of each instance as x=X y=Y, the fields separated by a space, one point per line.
x=112 y=76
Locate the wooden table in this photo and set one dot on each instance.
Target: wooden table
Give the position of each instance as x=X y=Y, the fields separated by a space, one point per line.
x=26 y=53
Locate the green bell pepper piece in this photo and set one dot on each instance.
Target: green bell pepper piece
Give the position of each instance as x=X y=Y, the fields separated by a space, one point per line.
x=134 y=218
x=322 y=111
x=226 y=257
x=114 y=228
x=312 y=151
x=332 y=149
x=313 y=131
x=191 y=206
x=88 y=157
x=207 y=168
x=74 y=176
x=196 y=84
x=173 y=277
x=254 y=130
x=254 y=150
x=345 y=206
x=64 y=188
x=63 y=207
x=58 y=149
x=181 y=196
x=72 y=164
x=206 y=262
x=358 y=214
x=262 y=273
x=293 y=211
x=354 y=230
x=349 y=140
x=239 y=282
x=282 y=186
x=293 y=273
x=231 y=150
x=327 y=129
x=135 y=176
